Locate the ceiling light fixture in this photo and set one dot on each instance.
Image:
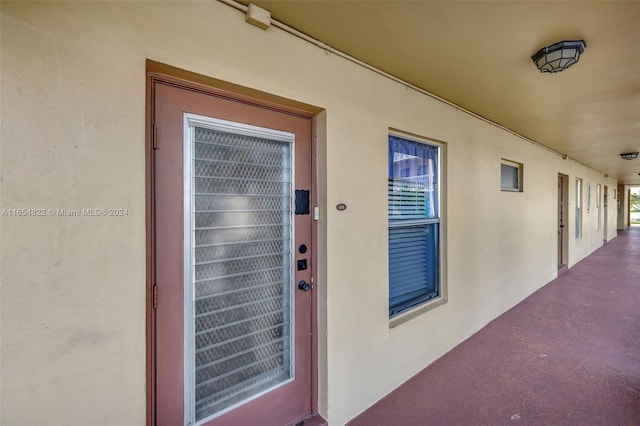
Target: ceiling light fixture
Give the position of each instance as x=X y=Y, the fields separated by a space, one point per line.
x=629 y=155
x=559 y=56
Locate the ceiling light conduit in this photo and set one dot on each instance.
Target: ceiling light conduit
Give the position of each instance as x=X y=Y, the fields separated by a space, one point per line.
x=275 y=23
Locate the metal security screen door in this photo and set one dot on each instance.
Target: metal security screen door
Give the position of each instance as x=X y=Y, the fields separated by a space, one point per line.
x=233 y=328
x=238 y=263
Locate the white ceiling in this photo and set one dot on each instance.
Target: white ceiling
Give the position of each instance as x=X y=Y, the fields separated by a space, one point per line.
x=477 y=54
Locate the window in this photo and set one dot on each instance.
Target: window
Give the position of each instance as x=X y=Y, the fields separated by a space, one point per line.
x=414 y=224
x=578 y=208
x=510 y=176
x=598 y=190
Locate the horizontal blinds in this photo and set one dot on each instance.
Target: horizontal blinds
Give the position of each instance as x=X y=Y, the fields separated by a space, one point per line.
x=408 y=199
x=413 y=265
x=241 y=198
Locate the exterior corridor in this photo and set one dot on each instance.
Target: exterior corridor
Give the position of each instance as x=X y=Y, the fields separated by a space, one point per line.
x=567 y=355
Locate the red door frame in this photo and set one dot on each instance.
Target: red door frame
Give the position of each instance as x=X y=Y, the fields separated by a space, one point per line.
x=158 y=72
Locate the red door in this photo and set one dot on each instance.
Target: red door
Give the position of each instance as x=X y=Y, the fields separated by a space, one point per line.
x=233 y=256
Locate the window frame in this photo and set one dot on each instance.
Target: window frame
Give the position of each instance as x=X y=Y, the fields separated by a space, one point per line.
x=419 y=305
x=520 y=174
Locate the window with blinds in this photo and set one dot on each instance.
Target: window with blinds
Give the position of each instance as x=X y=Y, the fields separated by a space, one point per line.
x=414 y=223
x=239 y=266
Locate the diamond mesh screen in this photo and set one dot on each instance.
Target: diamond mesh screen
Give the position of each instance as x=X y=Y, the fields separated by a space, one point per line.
x=241 y=254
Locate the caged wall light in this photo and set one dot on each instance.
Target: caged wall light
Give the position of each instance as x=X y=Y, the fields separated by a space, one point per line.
x=559 y=56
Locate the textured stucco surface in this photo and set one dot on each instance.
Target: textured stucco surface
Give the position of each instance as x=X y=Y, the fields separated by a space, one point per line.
x=73 y=127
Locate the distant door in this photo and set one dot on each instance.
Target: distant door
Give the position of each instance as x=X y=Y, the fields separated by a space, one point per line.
x=606 y=213
x=233 y=261
x=561 y=227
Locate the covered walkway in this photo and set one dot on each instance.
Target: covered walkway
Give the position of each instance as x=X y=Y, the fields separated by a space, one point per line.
x=567 y=355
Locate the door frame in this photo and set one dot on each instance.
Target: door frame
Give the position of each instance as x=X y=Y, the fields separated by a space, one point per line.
x=605 y=209
x=158 y=72
x=563 y=240
x=628 y=207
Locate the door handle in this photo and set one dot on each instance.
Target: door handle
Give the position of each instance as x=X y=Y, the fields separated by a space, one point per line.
x=303 y=285
x=561 y=226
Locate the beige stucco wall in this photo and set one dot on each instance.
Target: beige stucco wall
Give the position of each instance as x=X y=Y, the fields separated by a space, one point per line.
x=73 y=127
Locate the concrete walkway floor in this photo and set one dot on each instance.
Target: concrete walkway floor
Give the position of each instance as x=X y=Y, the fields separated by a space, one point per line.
x=567 y=355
